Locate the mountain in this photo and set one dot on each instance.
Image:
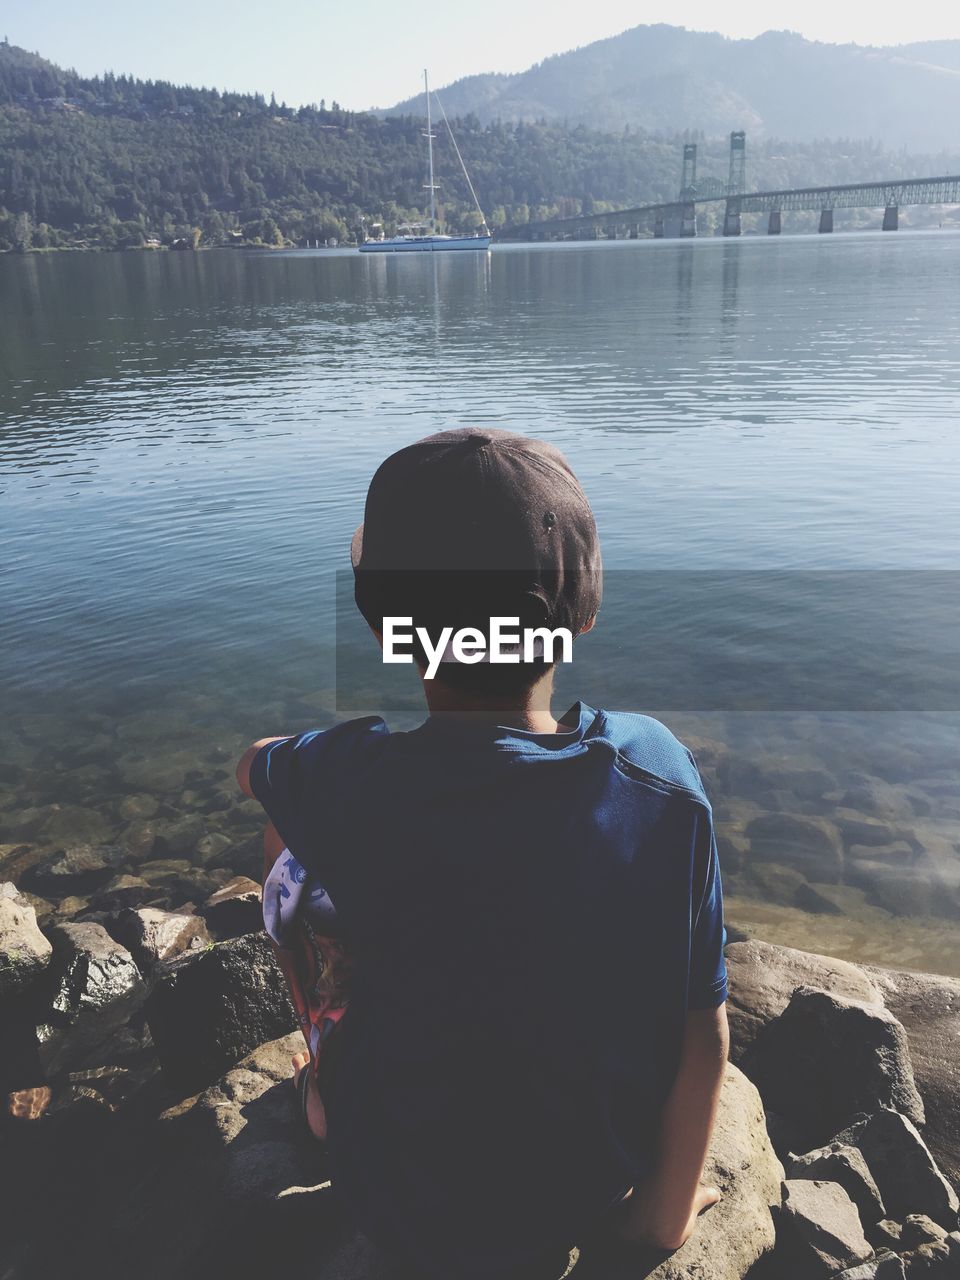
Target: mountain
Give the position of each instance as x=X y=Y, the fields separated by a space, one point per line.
x=114 y=162
x=667 y=79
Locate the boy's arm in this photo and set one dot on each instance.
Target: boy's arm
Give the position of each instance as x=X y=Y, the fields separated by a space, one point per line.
x=246 y=760
x=664 y=1208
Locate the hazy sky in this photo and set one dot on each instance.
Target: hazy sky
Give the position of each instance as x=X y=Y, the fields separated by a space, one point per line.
x=371 y=52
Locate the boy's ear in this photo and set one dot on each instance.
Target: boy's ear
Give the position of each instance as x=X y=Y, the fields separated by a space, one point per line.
x=588 y=625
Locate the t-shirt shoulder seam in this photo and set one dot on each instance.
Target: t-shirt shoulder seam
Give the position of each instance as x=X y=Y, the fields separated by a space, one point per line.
x=638 y=773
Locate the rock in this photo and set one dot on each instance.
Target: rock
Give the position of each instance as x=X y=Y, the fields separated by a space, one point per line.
x=212 y=846
x=903 y=1168
x=811 y=844
x=763 y=978
x=919 y=1229
x=235 y=909
x=929 y=1008
x=868 y=795
x=133 y=808
x=737 y=1232
x=885 y=1234
x=84 y=866
x=249 y=1191
x=825 y=1060
x=773 y=882
x=152 y=935
x=123 y=890
x=885 y=1266
x=178 y=838
x=903 y=890
x=898 y=853
x=24 y=951
x=210 y=1008
x=847 y=1167
x=830 y=899
x=939 y=1260
x=855 y=829
x=250 y=1162
x=71 y=824
x=96 y=989
x=821 y=1229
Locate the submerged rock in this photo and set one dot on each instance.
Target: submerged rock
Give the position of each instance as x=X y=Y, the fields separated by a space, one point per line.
x=211 y=1007
x=96 y=989
x=821 y=1229
x=24 y=951
x=825 y=1060
x=812 y=845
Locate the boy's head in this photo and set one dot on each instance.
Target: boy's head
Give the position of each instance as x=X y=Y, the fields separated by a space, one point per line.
x=472 y=524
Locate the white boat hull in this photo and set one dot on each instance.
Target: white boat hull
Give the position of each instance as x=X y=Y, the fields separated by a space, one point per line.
x=425 y=244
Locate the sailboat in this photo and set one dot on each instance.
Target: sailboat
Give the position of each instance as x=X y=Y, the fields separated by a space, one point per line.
x=423 y=237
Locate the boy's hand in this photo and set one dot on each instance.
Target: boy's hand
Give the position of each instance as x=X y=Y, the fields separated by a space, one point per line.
x=651 y=1222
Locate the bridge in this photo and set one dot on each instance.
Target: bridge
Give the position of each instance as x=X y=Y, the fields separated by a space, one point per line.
x=679 y=217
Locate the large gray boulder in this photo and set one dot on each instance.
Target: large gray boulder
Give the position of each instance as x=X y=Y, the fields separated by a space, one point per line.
x=208 y=1009
x=734 y=1235
x=825 y=1060
x=928 y=1006
x=821 y=1231
x=846 y=1166
x=96 y=990
x=242 y=1155
x=903 y=1168
x=24 y=951
x=763 y=977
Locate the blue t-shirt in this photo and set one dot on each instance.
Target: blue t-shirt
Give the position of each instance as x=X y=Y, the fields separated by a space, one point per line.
x=530 y=916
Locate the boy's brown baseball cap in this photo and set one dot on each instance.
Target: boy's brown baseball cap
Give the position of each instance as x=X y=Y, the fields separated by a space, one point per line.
x=472 y=523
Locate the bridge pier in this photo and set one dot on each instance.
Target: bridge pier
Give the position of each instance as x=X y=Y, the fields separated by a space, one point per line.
x=774 y=223
x=826 y=220
x=891 y=218
x=658 y=227
x=688 y=219
x=731 y=218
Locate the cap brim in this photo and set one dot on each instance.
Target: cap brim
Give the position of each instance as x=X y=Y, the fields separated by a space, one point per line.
x=356 y=547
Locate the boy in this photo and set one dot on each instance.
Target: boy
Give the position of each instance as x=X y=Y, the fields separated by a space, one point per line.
x=527 y=911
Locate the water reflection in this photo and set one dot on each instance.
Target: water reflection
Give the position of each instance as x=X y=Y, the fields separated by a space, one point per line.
x=185 y=442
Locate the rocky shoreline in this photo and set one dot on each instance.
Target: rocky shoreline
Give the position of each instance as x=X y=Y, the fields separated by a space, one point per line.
x=832 y=837
x=151 y=1049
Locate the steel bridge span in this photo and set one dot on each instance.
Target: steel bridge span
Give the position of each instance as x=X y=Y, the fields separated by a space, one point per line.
x=679 y=217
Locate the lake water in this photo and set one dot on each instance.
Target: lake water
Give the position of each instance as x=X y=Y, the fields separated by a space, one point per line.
x=767 y=430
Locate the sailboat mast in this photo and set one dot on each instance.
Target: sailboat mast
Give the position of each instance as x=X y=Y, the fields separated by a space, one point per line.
x=433 y=210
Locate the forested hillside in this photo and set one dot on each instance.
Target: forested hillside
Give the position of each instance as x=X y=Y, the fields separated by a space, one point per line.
x=115 y=162
x=775 y=85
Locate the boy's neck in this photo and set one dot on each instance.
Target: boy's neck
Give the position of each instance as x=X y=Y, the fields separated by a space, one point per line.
x=528 y=710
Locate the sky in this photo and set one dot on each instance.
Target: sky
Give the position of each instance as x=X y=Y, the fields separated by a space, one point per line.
x=372 y=53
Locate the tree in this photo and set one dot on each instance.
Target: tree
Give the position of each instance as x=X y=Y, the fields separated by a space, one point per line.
x=22 y=233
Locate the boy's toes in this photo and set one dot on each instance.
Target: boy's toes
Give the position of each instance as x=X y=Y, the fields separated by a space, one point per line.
x=299 y=1061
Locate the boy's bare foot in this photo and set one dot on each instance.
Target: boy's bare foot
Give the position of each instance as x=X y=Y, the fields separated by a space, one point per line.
x=645 y=1223
x=315 y=1115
